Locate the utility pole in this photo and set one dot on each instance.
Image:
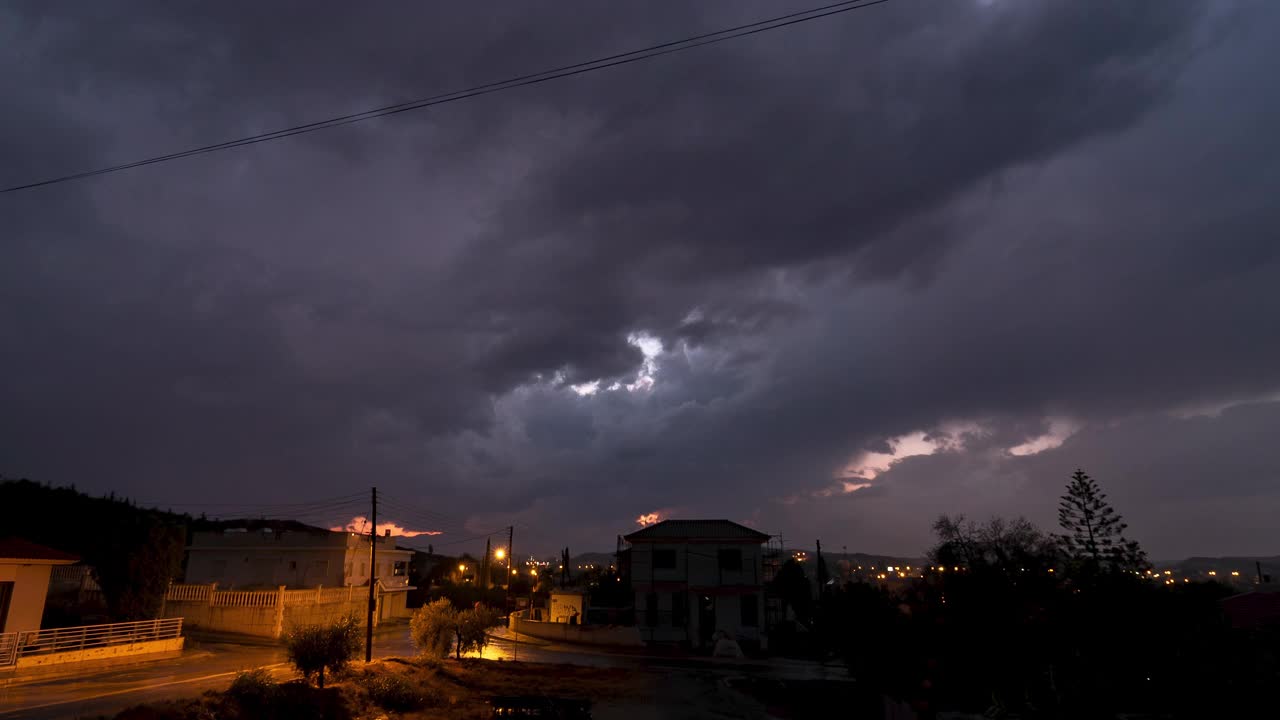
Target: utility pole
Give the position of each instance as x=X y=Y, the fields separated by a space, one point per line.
x=511 y=551
x=488 y=574
x=373 y=578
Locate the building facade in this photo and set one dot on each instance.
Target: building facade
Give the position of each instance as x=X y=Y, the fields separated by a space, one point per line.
x=695 y=578
x=269 y=557
x=24 y=582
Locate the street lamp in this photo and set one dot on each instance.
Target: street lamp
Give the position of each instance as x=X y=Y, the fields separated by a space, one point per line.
x=500 y=553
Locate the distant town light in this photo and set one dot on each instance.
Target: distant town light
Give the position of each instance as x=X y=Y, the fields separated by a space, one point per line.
x=1168 y=572
x=1213 y=573
x=1235 y=573
x=462 y=568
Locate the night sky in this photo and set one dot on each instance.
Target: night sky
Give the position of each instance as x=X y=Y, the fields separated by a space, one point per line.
x=829 y=281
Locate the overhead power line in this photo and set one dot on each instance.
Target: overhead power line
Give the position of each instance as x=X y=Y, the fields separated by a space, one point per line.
x=601 y=63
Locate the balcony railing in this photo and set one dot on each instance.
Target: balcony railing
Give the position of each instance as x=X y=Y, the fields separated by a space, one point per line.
x=15 y=646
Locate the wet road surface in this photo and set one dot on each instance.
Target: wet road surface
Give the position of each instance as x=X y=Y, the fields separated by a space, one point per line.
x=211 y=664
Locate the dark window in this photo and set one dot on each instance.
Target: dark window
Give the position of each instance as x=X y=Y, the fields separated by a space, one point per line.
x=677 y=609
x=651 y=610
x=664 y=559
x=399 y=568
x=750 y=611
x=731 y=559
x=293 y=564
x=6 y=593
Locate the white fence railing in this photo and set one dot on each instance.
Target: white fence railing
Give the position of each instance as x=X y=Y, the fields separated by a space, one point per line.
x=211 y=595
x=188 y=593
x=320 y=596
x=246 y=598
x=56 y=640
x=8 y=649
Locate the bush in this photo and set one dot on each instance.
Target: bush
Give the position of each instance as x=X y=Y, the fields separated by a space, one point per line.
x=473 y=629
x=432 y=628
x=394 y=692
x=252 y=689
x=438 y=626
x=315 y=648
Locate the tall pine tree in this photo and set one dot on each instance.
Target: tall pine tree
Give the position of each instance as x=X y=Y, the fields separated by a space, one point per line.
x=1094 y=531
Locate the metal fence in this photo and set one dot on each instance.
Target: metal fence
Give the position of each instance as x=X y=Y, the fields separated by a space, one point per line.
x=15 y=646
x=8 y=649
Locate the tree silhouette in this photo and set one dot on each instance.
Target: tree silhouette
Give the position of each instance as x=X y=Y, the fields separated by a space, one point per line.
x=1094 y=536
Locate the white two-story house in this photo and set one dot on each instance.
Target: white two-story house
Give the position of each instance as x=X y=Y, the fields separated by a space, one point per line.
x=270 y=554
x=693 y=578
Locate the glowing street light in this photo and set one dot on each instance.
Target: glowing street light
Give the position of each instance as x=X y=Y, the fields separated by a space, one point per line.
x=500 y=553
x=462 y=568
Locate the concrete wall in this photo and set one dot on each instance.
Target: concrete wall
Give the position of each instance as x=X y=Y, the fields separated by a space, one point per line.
x=270 y=622
x=101 y=653
x=323 y=614
x=30 y=585
x=583 y=634
x=565 y=605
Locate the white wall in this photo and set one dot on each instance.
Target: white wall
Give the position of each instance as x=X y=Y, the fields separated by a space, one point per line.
x=30 y=585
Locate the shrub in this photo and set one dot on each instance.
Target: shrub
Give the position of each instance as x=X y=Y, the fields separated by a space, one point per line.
x=473 y=629
x=438 y=626
x=394 y=692
x=252 y=689
x=432 y=628
x=315 y=648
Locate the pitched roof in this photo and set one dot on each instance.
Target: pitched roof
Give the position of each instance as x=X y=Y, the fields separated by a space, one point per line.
x=14 y=548
x=696 y=529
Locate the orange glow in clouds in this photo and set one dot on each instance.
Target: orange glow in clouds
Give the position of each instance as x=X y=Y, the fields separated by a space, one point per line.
x=360 y=524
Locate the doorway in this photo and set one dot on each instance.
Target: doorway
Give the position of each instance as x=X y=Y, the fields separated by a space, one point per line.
x=706 y=618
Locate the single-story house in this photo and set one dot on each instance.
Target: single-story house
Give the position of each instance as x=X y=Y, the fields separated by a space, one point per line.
x=24 y=582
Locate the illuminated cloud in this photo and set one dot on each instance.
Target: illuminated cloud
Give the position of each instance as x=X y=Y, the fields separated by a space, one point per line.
x=648 y=519
x=1059 y=430
x=867 y=465
x=360 y=524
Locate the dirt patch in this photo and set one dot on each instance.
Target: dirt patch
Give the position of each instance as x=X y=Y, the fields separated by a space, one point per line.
x=444 y=690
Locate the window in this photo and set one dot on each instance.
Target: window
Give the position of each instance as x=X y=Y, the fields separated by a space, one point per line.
x=664 y=559
x=731 y=559
x=6 y=593
x=677 y=609
x=651 y=610
x=750 y=605
x=401 y=568
x=293 y=564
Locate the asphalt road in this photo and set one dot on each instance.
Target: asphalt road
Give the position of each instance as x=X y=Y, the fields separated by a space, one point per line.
x=211 y=664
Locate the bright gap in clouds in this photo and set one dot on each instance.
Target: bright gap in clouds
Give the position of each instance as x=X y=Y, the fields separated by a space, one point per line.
x=360 y=524
x=651 y=348
x=1059 y=430
x=867 y=466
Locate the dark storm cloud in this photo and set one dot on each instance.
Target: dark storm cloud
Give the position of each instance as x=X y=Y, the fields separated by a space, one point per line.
x=842 y=232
